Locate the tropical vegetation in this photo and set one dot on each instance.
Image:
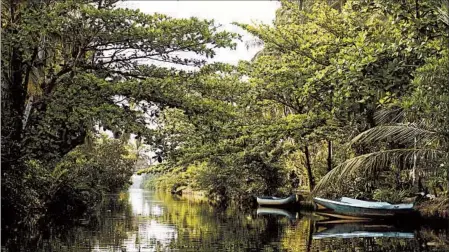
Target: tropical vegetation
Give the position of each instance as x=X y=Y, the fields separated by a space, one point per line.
x=344 y=97
x=70 y=70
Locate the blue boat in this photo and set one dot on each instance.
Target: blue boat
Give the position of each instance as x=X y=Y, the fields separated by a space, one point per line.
x=360 y=209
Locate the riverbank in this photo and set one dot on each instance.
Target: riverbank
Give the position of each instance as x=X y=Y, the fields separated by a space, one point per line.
x=192 y=195
x=432 y=209
x=436 y=208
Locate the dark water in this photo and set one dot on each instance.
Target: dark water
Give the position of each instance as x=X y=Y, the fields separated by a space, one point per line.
x=157 y=221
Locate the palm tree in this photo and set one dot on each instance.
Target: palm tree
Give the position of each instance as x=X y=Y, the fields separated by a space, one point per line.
x=423 y=141
x=422 y=145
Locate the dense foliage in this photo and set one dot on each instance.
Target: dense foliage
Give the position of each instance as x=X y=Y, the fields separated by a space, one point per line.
x=70 y=68
x=330 y=71
x=375 y=72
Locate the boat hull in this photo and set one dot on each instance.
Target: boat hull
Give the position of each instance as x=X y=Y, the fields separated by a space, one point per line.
x=278 y=202
x=340 y=210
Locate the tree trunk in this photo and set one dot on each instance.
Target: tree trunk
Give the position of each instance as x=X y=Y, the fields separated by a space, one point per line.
x=414 y=166
x=370 y=118
x=28 y=108
x=329 y=155
x=447 y=179
x=13 y=102
x=13 y=97
x=309 y=168
x=417 y=9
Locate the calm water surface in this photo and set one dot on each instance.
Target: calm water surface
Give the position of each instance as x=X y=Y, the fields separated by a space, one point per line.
x=156 y=221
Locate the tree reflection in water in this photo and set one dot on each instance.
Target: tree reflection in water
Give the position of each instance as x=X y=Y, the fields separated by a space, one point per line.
x=143 y=221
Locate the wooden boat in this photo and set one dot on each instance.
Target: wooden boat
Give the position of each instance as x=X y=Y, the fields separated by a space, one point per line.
x=275 y=201
x=277 y=211
x=360 y=209
x=358 y=230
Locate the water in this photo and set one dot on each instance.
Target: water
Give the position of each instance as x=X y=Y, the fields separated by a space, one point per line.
x=137 y=181
x=158 y=221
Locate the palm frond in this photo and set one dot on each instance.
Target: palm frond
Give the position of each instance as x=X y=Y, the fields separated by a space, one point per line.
x=400 y=133
x=443 y=12
x=387 y=116
x=371 y=163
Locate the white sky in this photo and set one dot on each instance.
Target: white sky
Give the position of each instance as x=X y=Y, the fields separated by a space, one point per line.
x=223 y=12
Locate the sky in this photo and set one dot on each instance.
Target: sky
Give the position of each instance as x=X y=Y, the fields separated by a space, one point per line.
x=223 y=12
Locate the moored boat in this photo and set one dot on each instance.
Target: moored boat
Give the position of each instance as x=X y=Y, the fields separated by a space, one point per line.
x=353 y=208
x=275 y=201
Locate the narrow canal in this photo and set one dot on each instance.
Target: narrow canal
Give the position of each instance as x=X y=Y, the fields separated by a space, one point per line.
x=143 y=220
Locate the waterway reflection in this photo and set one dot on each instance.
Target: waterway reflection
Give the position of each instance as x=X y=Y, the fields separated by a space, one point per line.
x=157 y=221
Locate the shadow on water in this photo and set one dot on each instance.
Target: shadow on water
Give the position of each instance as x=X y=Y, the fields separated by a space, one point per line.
x=142 y=220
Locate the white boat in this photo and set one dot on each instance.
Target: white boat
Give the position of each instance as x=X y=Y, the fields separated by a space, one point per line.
x=275 y=201
x=362 y=209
